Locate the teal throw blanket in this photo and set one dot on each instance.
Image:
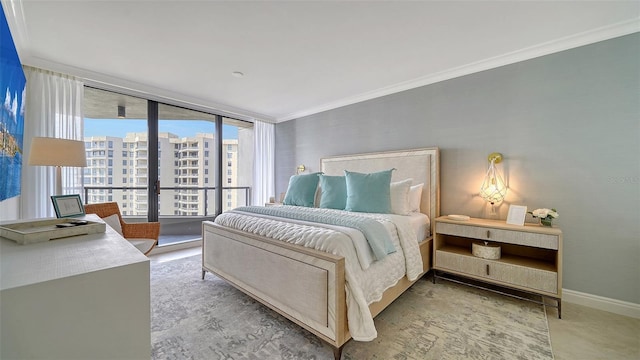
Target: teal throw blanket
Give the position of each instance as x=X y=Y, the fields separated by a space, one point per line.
x=375 y=233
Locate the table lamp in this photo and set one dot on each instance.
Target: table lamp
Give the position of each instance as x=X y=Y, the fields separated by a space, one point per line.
x=46 y=151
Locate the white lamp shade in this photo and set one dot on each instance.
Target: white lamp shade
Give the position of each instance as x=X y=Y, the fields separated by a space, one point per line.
x=57 y=152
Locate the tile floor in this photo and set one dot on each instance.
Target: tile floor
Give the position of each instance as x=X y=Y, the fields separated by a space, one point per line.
x=586 y=333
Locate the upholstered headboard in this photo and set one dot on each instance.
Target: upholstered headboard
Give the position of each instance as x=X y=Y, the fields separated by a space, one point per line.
x=422 y=165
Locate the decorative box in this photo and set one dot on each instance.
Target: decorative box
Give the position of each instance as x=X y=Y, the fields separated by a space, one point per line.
x=485 y=250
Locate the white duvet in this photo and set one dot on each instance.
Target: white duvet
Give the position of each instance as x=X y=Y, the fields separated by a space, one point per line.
x=364 y=284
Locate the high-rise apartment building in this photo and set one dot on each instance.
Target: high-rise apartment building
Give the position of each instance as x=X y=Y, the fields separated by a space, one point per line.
x=119 y=166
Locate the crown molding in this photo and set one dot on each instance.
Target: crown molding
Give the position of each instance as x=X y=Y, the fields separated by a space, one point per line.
x=17 y=25
x=550 y=47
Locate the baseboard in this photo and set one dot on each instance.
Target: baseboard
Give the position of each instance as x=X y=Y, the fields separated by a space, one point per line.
x=602 y=303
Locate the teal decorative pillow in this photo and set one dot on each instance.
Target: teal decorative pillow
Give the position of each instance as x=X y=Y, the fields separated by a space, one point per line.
x=369 y=192
x=334 y=192
x=302 y=190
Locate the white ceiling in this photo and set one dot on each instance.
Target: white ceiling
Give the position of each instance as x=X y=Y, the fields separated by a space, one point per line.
x=298 y=57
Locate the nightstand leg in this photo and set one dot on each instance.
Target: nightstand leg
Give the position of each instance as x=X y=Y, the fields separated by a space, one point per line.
x=559 y=308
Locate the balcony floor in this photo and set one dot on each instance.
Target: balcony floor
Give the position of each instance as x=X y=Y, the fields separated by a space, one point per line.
x=175 y=239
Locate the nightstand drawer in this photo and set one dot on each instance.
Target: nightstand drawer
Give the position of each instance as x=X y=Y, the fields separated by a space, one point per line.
x=521 y=276
x=544 y=241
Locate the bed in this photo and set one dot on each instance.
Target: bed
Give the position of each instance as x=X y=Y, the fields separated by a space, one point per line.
x=307 y=285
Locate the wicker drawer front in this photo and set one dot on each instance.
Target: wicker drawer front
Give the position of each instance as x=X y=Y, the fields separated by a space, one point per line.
x=522 y=276
x=507 y=236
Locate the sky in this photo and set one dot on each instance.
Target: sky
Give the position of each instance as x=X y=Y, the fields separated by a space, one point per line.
x=182 y=128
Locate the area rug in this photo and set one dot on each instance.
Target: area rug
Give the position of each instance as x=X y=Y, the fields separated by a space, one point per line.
x=209 y=319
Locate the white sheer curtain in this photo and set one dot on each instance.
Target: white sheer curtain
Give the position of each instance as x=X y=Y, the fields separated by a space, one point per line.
x=264 y=162
x=53 y=109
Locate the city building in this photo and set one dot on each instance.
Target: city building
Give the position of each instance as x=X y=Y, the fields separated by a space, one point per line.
x=117 y=170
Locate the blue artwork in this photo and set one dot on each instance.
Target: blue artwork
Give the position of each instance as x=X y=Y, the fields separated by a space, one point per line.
x=12 y=85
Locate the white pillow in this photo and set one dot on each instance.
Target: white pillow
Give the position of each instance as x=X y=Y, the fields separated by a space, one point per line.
x=415 y=197
x=114 y=222
x=400 y=197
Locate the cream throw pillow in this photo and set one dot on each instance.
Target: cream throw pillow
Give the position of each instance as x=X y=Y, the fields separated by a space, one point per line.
x=114 y=222
x=415 y=197
x=400 y=197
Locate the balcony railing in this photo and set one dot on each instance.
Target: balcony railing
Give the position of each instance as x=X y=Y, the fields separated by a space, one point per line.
x=206 y=189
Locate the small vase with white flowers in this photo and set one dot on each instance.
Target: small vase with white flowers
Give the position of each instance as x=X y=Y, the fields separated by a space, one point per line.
x=545 y=216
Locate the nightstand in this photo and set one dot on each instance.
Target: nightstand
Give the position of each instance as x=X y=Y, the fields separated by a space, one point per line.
x=530 y=261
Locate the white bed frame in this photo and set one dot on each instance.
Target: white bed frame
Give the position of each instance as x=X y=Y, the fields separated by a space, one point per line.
x=305 y=285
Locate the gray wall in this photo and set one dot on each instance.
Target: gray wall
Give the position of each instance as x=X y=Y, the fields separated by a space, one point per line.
x=568 y=125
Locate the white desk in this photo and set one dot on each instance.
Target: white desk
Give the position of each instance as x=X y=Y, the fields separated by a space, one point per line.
x=82 y=297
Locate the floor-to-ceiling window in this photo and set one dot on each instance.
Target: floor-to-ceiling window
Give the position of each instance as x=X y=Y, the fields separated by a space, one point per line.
x=237 y=163
x=159 y=161
x=116 y=141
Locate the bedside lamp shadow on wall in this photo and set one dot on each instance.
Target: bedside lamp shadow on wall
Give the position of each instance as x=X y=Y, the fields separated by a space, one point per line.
x=46 y=151
x=493 y=189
